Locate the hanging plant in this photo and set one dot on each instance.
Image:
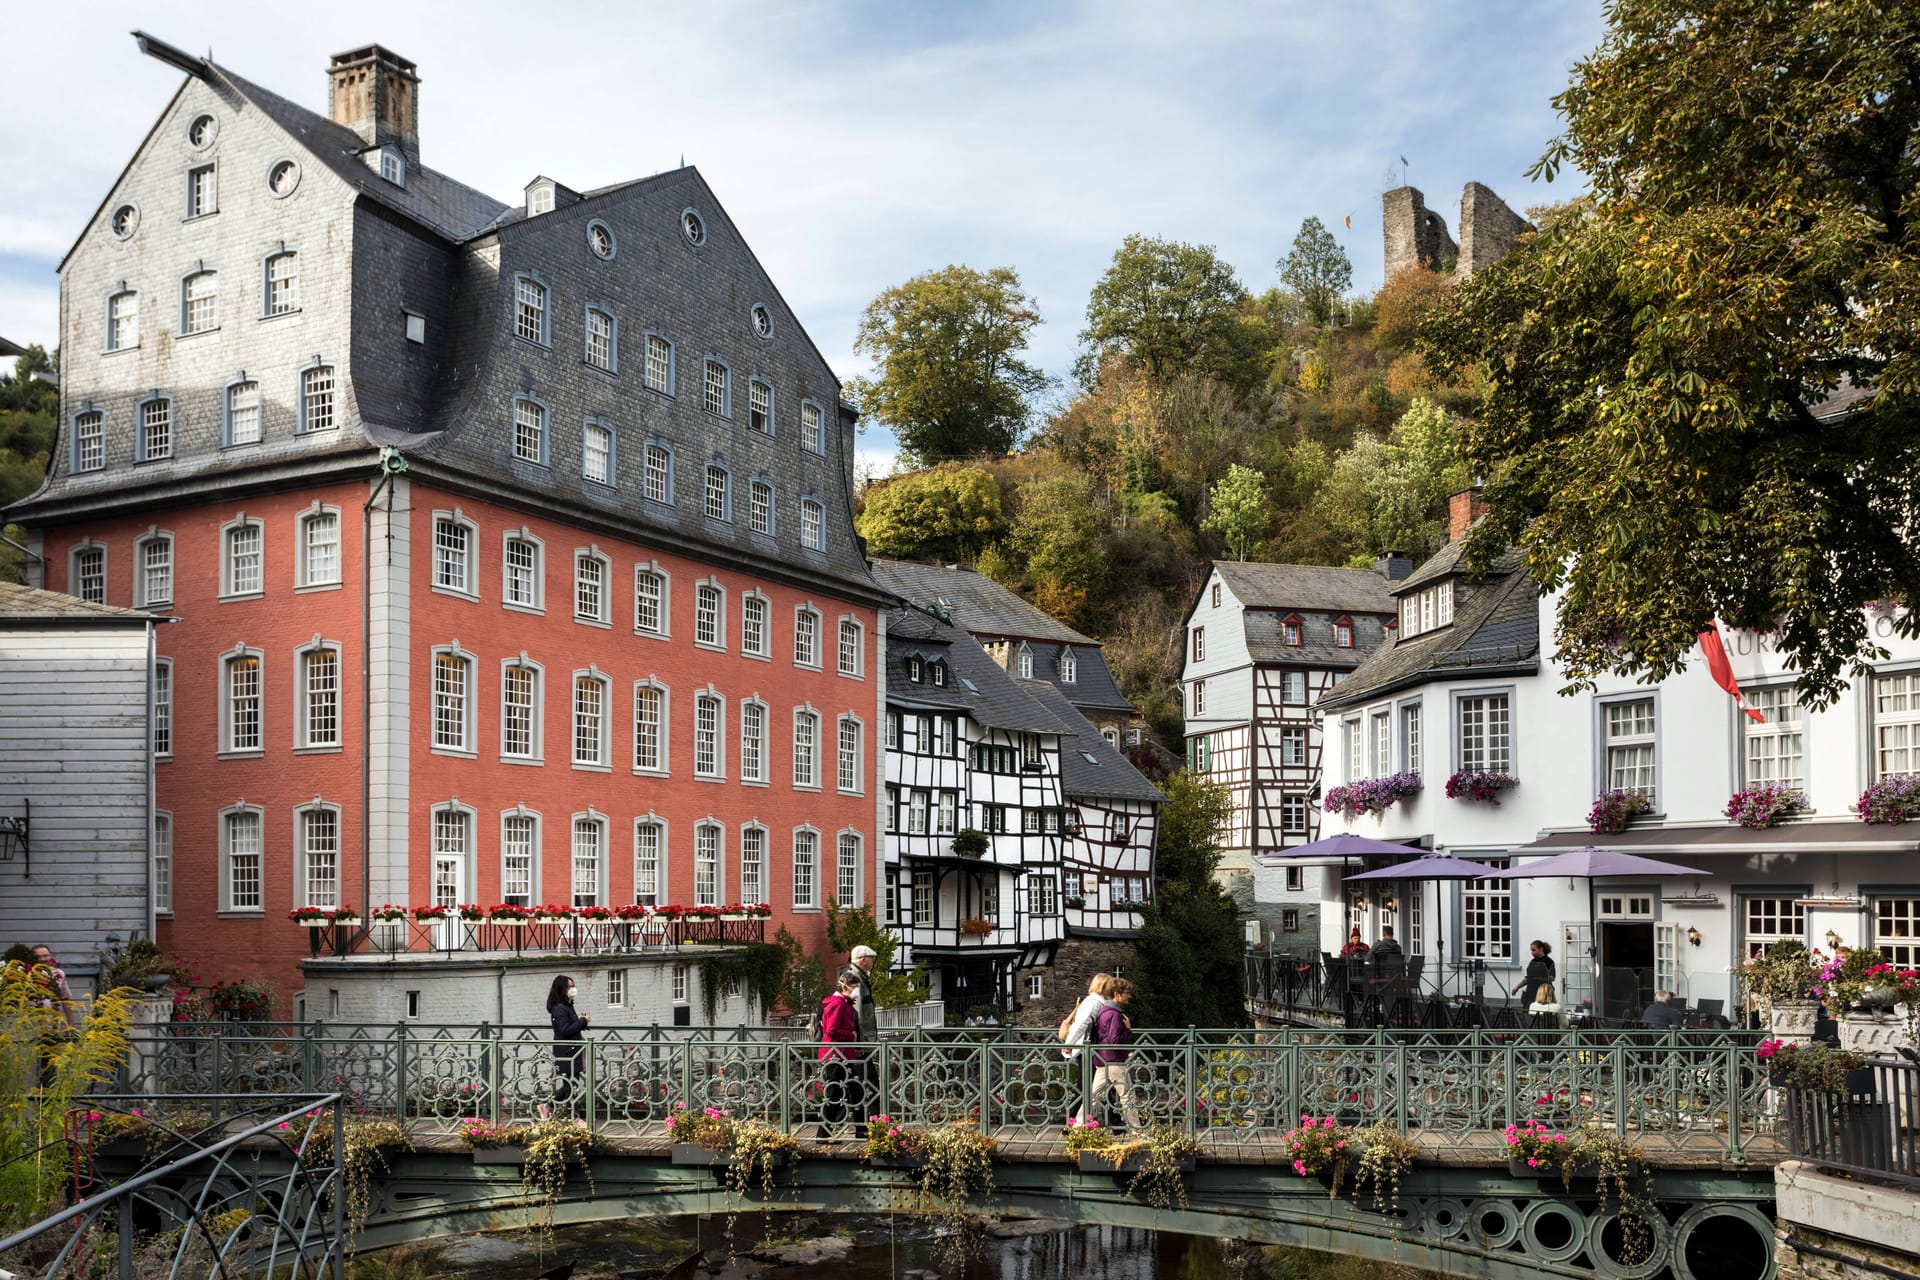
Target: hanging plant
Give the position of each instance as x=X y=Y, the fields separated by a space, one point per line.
x=959 y=1166
x=970 y=842
x=1371 y=795
x=366 y=1142
x=1758 y=808
x=1612 y=810
x=1480 y=786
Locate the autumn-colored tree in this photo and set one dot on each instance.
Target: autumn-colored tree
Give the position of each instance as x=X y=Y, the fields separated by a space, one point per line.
x=1404 y=301
x=1165 y=307
x=1056 y=538
x=947 y=513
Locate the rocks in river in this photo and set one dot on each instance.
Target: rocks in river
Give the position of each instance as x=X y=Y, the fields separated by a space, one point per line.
x=477 y=1251
x=1015 y=1228
x=808 y=1253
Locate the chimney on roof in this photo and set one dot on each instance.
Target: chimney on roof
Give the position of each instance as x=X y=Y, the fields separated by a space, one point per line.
x=376 y=93
x=1394 y=565
x=1464 y=510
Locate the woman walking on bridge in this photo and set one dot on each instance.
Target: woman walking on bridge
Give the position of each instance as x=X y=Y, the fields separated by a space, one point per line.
x=567 y=1040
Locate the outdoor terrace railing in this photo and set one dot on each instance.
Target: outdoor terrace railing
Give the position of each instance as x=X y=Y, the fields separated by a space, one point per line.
x=1867 y=1128
x=1704 y=1091
x=570 y=937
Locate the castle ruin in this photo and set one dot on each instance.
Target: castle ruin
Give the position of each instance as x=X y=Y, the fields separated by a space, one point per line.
x=1417 y=234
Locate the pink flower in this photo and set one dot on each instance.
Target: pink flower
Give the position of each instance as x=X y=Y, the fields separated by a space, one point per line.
x=136 y=1111
x=1300 y=1167
x=285 y=1125
x=1327 y=1123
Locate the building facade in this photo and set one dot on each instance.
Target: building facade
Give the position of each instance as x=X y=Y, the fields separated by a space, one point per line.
x=1475 y=694
x=510 y=545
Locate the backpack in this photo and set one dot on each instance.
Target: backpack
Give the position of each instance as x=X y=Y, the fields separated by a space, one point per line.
x=1066 y=1025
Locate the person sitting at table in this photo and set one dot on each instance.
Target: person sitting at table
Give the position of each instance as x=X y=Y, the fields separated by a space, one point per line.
x=1388 y=946
x=1661 y=1014
x=1356 y=948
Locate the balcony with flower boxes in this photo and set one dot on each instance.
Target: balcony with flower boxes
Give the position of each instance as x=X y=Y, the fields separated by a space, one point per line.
x=521 y=930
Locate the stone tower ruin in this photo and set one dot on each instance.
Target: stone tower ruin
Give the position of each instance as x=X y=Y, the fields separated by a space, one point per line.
x=1417 y=234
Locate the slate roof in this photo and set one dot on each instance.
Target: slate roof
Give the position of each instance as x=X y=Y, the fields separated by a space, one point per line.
x=978 y=604
x=978 y=687
x=1106 y=774
x=1307 y=586
x=11 y=348
x=1267 y=641
x=18 y=603
x=1093 y=685
x=1443 y=563
x=1496 y=628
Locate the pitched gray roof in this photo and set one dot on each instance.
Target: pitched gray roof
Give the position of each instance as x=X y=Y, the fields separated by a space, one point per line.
x=1089 y=765
x=1496 y=628
x=1092 y=687
x=978 y=686
x=1267 y=640
x=1306 y=586
x=977 y=603
x=18 y=603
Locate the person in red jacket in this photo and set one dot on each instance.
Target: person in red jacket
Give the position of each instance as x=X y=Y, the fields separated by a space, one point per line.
x=845 y=1075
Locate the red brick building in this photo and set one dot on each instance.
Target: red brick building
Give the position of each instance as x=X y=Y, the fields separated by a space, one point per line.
x=510 y=547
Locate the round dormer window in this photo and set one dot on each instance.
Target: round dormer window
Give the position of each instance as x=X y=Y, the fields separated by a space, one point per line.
x=283 y=177
x=693 y=228
x=125 y=221
x=762 y=321
x=202 y=132
x=600 y=239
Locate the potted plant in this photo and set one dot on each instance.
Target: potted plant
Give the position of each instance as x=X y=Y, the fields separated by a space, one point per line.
x=761 y=910
x=387 y=913
x=472 y=912
x=976 y=927
x=627 y=913
x=495 y=1144
x=1613 y=810
x=1894 y=798
x=550 y=913
x=430 y=914
x=705 y=912
x=700 y=1137
x=1758 y=808
x=891 y=1145
x=311 y=917
x=970 y=842
x=346 y=915
x=1480 y=786
x=509 y=913
x=1783 y=981
x=1074 y=900
x=1386 y=1154
x=669 y=911
x=1372 y=796
x=1315 y=1147
x=733 y=911
x=593 y=915
x=1816 y=1068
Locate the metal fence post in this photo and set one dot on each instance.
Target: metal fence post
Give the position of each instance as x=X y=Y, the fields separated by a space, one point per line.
x=400 y=1071
x=985 y=1049
x=491 y=1048
x=338 y=1175
x=593 y=1057
x=786 y=1085
x=1189 y=1050
x=125 y=1213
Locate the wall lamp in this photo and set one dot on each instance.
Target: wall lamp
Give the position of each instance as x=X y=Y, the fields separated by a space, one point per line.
x=1693 y=936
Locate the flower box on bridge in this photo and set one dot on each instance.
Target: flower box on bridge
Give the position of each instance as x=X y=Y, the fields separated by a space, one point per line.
x=1098 y=1160
x=692 y=1153
x=1584 y=1170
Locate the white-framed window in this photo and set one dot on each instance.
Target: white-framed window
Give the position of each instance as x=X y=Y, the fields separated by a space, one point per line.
x=520 y=681
x=709 y=758
x=918 y=803
x=649 y=861
x=87 y=574
x=753 y=864
x=753 y=742
x=950 y=735
x=1199 y=644
x=590 y=597
x=1343 y=634
x=806 y=749
x=163 y=863
x=596 y=453
x=393 y=166
x=89 y=440
x=1631 y=746
x=316 y=399
x=283 y=284
x=318 y=723
x=680 y=984
x=590 y=693
x=589 y=858
x=893 y=730
x=1485 y=734
x=813 y=527
x=1896 y=930
x=846 y=882
x=806 y=637
x=154 y=556
x=847 y=770
x=522 y=558
x=708 y=875
x=813 y=428
x=852 y=647
x=1197 y=697
x=1896 y=723
x=453 y=554
x=1069 y=667
x=649 y=728
x=242 y=849
x=1767 y=920
x=1024 y=663
x=892 y=809
x=760 y=407
x=317 y=845
x=1030 y=821
x=1354 y=749
x=450 y=855
x=922 y=894
x=1775 y=746
x=519 y=856
x=717 y=389
x=529 y=430
x=1381 y=723
x=1293 y=745
x=659 y=366
x=163 y=707
x=1486 y=913
x=1043 y=895
x=1293 y=817
x=452 y=701
x=1427 y=609
x=242 y=559
x=649 y=600
x=709 y=615
x=123 y=321
x=319 y=544
x=755 y=635
x=200 y=303
x=616 y=988
x=241 y=690
x=1410 y=736
x=203 y=190
x=656 y=478
x=1293 y=687
x=719 y=493
x=946 y=815
x=600 y=347
x=1296 y=878
x=529 y=310
x=156 y=429
x=1036 y=986
x=760 y=507
x=806 y=868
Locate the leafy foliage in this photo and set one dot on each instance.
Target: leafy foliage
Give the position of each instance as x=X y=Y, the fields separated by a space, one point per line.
x=1317 y=270
x=1187 y=963
x=29 y=409
x=947 y=513
x=850 y=927
x=1240 y=511
x=1164 y=308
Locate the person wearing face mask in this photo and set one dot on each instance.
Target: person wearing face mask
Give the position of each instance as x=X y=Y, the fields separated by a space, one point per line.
x=567 y=1040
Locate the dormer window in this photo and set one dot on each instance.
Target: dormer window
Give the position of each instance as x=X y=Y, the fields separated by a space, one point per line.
x=539 y=199
x=1026 y=663
x=1290 y=630
x=393 y=166
x=915 y=670
x=1343 y=633
x=1069 y=667
x=1426 y=610
x=940 y=673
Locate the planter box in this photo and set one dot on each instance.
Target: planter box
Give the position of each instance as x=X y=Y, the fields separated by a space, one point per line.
x=314 y=924
x=130 y=1149
x=897 y=1162
x=1132 y=1162
x=1792 y=1020
x=516 y=1156
x=692 y=1153
x=1872 y=1034
x=1583 y=1170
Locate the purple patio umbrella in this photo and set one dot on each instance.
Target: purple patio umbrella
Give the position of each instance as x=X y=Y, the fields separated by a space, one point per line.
x=1592 y=865
x=1345 y=845
x=1434 y=868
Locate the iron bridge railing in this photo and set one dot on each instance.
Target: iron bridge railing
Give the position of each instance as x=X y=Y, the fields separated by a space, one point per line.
x=1703 y=1091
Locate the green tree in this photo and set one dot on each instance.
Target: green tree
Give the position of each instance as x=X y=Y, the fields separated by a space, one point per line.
x=1188 y=967
x=949 y=513
x=1317 y=270
x=850 y=927
x=1660 y=432
x=1056 y=535
x=949 y=380
x=1165 y=307
x=29 y=407
x=1240 y=512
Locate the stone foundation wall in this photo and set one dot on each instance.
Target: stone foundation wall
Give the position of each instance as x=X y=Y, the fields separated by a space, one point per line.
x=1834 y=1228
x=1065 y=980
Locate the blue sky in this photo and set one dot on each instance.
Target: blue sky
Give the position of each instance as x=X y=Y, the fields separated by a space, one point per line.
x=858 y=144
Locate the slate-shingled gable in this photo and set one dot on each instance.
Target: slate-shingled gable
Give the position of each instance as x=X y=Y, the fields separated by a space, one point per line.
x=994 y=699
x=1108 y=775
